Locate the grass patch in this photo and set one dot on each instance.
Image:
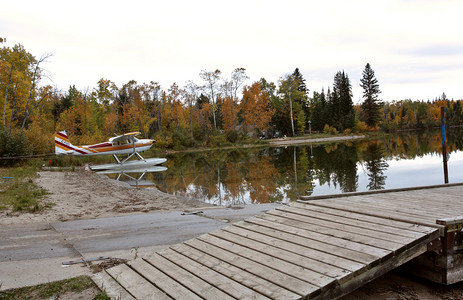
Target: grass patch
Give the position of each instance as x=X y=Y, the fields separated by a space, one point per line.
x=18 y=190
x=55 y=289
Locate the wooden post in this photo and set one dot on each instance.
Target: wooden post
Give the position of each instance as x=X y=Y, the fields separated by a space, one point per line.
x=444 y=145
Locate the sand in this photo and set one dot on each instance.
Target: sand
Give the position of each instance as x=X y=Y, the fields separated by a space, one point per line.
x=87 y=195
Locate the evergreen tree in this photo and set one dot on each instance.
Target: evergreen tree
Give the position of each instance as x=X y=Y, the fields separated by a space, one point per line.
x=342 y=105
x=318 y=116
x=371 y=105
x=332 y=108
x=299 y=82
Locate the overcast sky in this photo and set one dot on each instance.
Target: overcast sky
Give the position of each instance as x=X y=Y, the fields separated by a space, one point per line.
x=415 y=47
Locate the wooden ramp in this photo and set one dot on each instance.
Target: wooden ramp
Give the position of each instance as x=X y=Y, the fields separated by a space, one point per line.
x=312 y=249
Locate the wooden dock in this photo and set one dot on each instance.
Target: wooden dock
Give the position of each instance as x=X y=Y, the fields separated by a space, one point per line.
x=316 y=248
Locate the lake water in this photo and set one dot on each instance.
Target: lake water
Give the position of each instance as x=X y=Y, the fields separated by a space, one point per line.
x=282 y=174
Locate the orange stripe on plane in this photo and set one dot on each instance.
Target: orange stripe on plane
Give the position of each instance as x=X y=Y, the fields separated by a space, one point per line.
x=62 y=147
x=60 y=136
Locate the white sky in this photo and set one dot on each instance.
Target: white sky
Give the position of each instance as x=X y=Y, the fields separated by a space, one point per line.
x=415 y=47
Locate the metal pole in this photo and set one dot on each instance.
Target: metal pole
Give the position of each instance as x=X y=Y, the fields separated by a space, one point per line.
x=444 y=144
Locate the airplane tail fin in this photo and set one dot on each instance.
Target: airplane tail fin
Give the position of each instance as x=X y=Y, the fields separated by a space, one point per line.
x=62 y=143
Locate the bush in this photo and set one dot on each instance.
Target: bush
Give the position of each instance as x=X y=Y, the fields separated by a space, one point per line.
x=361 y=127
x=163 y=141
x=219 y=140
x=181 y=139
x=326 y=129
x=40 y=142
x=333 y=131
x=232 y=136
x=13 y=147
x=329 y=130
x=198 y=133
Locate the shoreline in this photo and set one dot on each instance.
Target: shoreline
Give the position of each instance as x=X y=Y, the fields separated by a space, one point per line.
x=295 y=141
x=276 y=142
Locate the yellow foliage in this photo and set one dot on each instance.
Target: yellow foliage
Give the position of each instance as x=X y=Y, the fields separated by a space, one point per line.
x=163 y=142
x=40 y=134
x=361 y=127
x=40 y=141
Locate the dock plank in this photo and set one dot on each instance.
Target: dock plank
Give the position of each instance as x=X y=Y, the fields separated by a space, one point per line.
x=336 y=241
x=391 y=232
x=349 y=259
x=256 y=283
x=110 y=286
x=422 y=203
x=312 y=206
x=138 y=286
x=225 y=284
x=372 y=209
x=167 y=284
x=332 y=265
x=291 y=283
x=337 y=232
x=186 y=278
x=262 y=254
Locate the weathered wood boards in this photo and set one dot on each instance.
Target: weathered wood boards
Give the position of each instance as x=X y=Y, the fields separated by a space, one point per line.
x=314 y=249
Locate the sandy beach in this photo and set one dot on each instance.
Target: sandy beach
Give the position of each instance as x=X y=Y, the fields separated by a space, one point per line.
x=87 y=195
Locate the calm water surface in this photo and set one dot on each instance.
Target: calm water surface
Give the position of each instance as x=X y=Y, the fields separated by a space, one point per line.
x=282 y=174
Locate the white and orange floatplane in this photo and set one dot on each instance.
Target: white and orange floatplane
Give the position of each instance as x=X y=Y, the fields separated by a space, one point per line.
x=119 y=145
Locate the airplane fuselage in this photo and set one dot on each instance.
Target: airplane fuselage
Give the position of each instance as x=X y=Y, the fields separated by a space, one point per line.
x=108 y=148
x=63 y=146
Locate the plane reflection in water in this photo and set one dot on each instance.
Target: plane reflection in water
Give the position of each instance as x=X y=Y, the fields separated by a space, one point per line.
x=134 y=176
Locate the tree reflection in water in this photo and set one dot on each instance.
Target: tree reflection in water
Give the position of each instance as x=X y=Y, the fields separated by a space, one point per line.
x=376 y=165
x=281 y=174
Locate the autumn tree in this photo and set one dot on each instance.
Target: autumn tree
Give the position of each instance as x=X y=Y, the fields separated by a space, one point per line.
x=229 y=114
x=211 y=88
x=191 y=93
x=371 y=104
x=175 y=106
x=20 y=73
x=203 y=116
x=124 y=97
x=275 y=102
x=102 y=106
x=232 y=86
x=255 y=107
x=153 y=94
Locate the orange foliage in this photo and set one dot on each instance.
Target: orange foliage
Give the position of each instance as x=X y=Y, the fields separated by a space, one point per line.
x=229 y=114
x=255 y=107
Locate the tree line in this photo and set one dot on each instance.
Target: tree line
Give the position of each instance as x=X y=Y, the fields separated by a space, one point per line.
x=218 y=110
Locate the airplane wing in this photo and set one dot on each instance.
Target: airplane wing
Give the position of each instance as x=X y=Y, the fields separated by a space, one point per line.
x=124 y=137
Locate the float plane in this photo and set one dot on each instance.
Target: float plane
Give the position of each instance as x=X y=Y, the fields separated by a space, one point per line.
x=121 y=144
